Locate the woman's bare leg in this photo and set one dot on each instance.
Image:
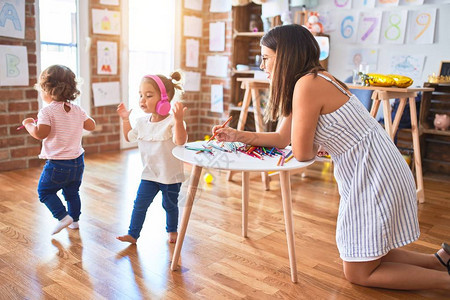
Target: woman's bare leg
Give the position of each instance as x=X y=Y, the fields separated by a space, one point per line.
x=393 y=275
x=428 y=261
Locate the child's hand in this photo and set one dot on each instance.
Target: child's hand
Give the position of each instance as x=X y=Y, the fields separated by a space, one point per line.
x=122 y=111
x=226 y=134
x=27 y=121
x=178 y=111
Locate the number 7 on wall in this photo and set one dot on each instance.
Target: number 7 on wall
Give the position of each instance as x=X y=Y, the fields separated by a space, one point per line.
x=369 y=27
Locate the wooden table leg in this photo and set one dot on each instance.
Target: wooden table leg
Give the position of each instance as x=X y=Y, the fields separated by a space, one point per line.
x=245 y=197
x=416 y=147
x=192 y=189
x=288 y=220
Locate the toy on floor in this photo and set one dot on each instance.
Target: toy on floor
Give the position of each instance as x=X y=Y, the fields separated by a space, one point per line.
x=208 y=178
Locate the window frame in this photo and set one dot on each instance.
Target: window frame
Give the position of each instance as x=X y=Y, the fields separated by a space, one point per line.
x=83 y=57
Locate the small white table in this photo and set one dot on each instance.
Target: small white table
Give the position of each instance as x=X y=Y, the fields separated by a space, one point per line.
x=244 y=163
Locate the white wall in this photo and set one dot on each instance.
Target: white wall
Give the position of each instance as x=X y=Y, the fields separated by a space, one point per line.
x=434 y=53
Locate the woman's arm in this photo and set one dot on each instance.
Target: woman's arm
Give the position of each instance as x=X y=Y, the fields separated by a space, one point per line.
x=279 y=139
x=306 y=107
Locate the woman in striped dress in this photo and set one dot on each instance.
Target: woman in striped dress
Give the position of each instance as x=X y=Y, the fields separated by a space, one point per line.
x=378 y=206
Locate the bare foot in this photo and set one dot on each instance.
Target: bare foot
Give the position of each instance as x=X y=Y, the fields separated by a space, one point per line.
x=127 y=238
x=63 y=223
x=173 y=237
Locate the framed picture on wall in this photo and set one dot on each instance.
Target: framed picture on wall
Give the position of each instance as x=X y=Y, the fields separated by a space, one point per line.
x=445 y=68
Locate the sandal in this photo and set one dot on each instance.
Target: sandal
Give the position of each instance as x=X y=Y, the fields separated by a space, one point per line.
x=446 y=248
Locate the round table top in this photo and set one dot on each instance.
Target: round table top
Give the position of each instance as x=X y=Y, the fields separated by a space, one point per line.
x=233 y=161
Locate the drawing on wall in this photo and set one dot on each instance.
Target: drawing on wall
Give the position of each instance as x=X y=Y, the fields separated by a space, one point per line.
x=192 y=26
x=217 y=98
x=106 y=58
x=106 y=93
x=192 y=81
x=217 y=66
x=411 y=2
x=360 y=4
x=324 y=44
x=421 y=26
x=192 y=50
x=345 y=4
x=369 y=27
x=193 y=4
x=220 y=6
x=408 y=65
x=346 y=27
x=387 y=3
x=217 y=36
x=359 y=57
x=393 y=27
x=105 y=21
x=12 y=18
x=15 y=69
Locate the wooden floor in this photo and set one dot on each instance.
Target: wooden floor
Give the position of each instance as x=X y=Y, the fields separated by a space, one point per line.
x=216 y=262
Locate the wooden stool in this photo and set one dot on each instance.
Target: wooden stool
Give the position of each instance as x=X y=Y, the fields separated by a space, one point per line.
x=252 y=87
x=383 y=94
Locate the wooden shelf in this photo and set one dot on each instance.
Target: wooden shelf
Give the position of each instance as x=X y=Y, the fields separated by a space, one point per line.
x=436 y=132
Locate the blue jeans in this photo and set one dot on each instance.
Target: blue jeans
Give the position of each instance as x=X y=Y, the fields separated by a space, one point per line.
x=65 y=175
x=145 y=195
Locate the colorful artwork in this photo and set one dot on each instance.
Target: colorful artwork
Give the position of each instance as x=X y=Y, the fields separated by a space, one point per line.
x=346 y=24
x=15 y=69
x=369 y=27
x=421 y=26
x=393 y=27
x=12 y=18
x=106 y=58
x=105 y=21
x=408 y=65
x=217 y=98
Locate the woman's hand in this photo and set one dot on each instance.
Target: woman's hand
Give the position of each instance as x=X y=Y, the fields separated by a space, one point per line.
x=226 y=134
x=178 y=111
x=122 y=111
x=321 y=152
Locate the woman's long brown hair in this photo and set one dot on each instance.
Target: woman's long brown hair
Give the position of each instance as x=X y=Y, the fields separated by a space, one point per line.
x=297 y=54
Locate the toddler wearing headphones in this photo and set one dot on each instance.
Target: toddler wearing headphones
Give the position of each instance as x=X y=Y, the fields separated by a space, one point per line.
x=156 y=134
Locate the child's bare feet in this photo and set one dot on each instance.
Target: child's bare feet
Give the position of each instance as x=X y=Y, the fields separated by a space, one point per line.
x=63 y=223
x=173 y=237
x=127 y=238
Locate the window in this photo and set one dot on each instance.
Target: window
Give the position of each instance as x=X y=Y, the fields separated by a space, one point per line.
x=63 y=28
x=151 y=42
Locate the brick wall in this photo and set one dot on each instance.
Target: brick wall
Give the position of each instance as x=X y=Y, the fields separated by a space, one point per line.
x=200 y=119
x=17 y=148
x=106 y=136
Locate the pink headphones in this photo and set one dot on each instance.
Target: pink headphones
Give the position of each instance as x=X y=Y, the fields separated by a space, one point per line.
x=163 y=105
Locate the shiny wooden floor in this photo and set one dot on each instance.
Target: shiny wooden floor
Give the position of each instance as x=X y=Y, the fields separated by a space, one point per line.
x=216 y=262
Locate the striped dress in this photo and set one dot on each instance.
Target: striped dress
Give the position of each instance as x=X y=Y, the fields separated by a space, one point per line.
x=378 y=205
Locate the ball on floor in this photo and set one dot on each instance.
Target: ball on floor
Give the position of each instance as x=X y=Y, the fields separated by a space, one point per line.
x=208 y=178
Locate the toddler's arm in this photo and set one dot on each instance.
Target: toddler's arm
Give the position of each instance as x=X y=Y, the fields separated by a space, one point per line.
x=89 y=124
x=124 y=114
x=39 y=132
x=180 y=132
